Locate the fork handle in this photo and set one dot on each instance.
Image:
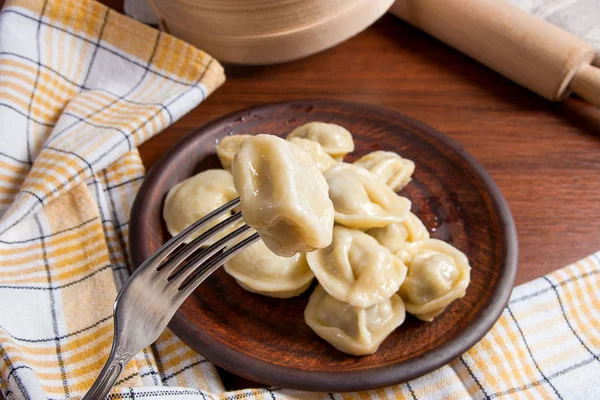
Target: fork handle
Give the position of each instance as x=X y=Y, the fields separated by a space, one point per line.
x=117 y=360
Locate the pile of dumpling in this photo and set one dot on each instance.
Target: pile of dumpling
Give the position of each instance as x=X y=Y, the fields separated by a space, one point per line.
x=381 y=261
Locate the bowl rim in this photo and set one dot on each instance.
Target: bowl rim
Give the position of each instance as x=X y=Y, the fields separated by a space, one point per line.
x=256 y=369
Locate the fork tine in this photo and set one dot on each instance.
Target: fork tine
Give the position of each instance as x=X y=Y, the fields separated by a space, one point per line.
x=153 y=262
x=179 y=276
x=180 y=255
x=202 y=222
x=200 y=274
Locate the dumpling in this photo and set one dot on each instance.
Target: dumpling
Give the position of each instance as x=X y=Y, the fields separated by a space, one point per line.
x=362 y=201
x=438 y=274
x=388 y=166
x=396 y=235
x=353 y=330
x=323 y=160
x=192 y=199
x=335 y=139
x=283 y=195
x=227 y=147
x=356 y=269
x=257 y=269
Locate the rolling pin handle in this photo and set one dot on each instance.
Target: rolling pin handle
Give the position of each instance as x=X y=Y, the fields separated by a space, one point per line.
x=586 y=84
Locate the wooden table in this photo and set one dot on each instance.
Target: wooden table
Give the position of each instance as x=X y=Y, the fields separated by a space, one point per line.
x=545 y=157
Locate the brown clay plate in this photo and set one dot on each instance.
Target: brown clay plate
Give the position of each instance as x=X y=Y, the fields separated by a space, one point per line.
x=266 y=339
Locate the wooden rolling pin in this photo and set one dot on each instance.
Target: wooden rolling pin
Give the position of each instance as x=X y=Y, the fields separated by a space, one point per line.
x=525 y=49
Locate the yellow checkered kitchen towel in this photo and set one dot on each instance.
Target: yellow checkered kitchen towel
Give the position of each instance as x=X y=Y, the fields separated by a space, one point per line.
x=80 y=87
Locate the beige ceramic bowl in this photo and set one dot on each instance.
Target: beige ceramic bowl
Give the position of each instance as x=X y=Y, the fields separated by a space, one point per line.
x=266 y=31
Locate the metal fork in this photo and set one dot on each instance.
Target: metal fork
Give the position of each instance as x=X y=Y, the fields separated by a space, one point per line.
x=153 y=293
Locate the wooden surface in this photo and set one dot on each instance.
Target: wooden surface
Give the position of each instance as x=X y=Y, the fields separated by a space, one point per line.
x=266 y=339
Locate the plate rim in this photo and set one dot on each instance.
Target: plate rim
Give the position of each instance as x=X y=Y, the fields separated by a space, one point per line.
x=375 y=377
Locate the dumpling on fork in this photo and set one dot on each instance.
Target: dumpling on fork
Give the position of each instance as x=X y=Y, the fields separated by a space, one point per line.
x=283 y=195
